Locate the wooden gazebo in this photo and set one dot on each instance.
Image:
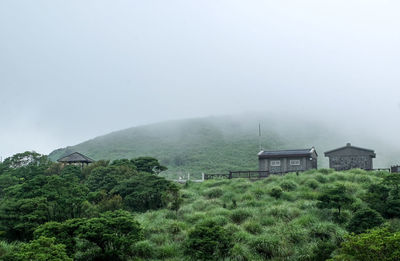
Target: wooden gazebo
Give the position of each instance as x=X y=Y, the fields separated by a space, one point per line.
x=75 y=158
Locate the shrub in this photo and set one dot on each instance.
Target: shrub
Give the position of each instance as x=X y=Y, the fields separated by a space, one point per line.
x=288 y=185
x=326 y=171
x=276 y=192
x=324 y=250
x=269 y=247
x=143 y=249
x=168 y=251
x=377 y=244
x=258 y=193
x=321 y=179
x=284 y=212
x=312 y=183
x=364 y=219
x=240 y=215
x=253 y=227
x=40 y=249
x=208 y=241
x=241 y=253
x=213 y=193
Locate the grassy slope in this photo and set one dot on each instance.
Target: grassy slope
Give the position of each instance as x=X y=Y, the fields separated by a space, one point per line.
x=214 y=144
x=289 y=228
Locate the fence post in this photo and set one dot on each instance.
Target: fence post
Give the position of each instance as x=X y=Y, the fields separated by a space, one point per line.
x=230 y=174
x=202 y=176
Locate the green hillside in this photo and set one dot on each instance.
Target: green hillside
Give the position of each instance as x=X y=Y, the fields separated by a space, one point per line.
x=212 y=144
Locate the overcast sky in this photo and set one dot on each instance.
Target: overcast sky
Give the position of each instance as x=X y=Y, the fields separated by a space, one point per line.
x=73 y=70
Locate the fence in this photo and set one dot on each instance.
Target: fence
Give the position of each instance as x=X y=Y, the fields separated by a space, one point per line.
x=250 y=174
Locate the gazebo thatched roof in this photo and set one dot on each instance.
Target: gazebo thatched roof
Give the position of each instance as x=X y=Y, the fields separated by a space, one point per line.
x=75 y=157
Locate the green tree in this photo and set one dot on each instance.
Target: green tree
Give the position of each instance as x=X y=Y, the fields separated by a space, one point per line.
x=106 y=178
x=335 y=197
x=208 y=241
x=41 y=249
x=148 y=164
x=377 y=197
x=144 y=191
x=364 y=219
x=172 y=198
x=39 y=200
x=108 y=237
x=377 y=244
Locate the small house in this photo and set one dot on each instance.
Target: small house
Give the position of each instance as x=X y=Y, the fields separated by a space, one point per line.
x=76 y=158
x=395 y=169
x=282 y=161
x=350 y=157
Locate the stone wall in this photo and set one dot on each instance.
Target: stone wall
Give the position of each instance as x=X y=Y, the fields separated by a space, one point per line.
x=350 y=162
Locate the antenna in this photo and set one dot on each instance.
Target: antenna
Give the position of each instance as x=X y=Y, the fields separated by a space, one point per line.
x=259 y=135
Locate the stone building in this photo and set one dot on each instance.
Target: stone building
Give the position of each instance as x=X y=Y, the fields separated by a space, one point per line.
x=350 y=157
x=283 y=161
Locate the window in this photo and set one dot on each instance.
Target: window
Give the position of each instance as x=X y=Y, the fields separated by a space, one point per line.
x=275 y=163
x=294 y=162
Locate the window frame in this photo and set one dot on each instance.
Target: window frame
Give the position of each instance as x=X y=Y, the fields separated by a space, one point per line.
x=274 y=163
x=298 y=162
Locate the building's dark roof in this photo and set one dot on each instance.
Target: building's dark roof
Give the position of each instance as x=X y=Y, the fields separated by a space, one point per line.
x=348 y=145
x=75 y=157
x=286 y=153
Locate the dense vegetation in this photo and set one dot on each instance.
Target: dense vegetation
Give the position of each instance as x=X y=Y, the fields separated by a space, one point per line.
x=112 y=211
x=54 y=212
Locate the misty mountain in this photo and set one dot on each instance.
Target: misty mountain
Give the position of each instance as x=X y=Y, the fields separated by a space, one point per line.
x=220 y=144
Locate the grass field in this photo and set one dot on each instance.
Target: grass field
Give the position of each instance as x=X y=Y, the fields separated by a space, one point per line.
x=290 y=227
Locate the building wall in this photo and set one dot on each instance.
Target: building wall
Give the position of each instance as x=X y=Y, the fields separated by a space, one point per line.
x=350 y=158
x=305 y=164
x=350 y=162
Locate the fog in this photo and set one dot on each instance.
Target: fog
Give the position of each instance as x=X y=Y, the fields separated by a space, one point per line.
x=73 y=70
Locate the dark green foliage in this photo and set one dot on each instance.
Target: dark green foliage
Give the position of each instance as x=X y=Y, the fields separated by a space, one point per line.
x=364 y=219
x=393 y=181
x=143 y=192
x=41 y=200
x=213 y=193
x=377 y=244
x=312 y=183
x=124 y=163
x=384 y=197
x=239 y=215
x=64 y=232
x=266 y=247
x=19 y=218
x=208 y=241
x=144 y=249
x=276 y=192
x=38 y=200
x=335 y=197
x=323 y=250
x=112 y=232
x=41 y=249
x=106 y=178
x=71 y=172
x=288 y=185
x=377 y=197
x=148 y=164
x=109 y=236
